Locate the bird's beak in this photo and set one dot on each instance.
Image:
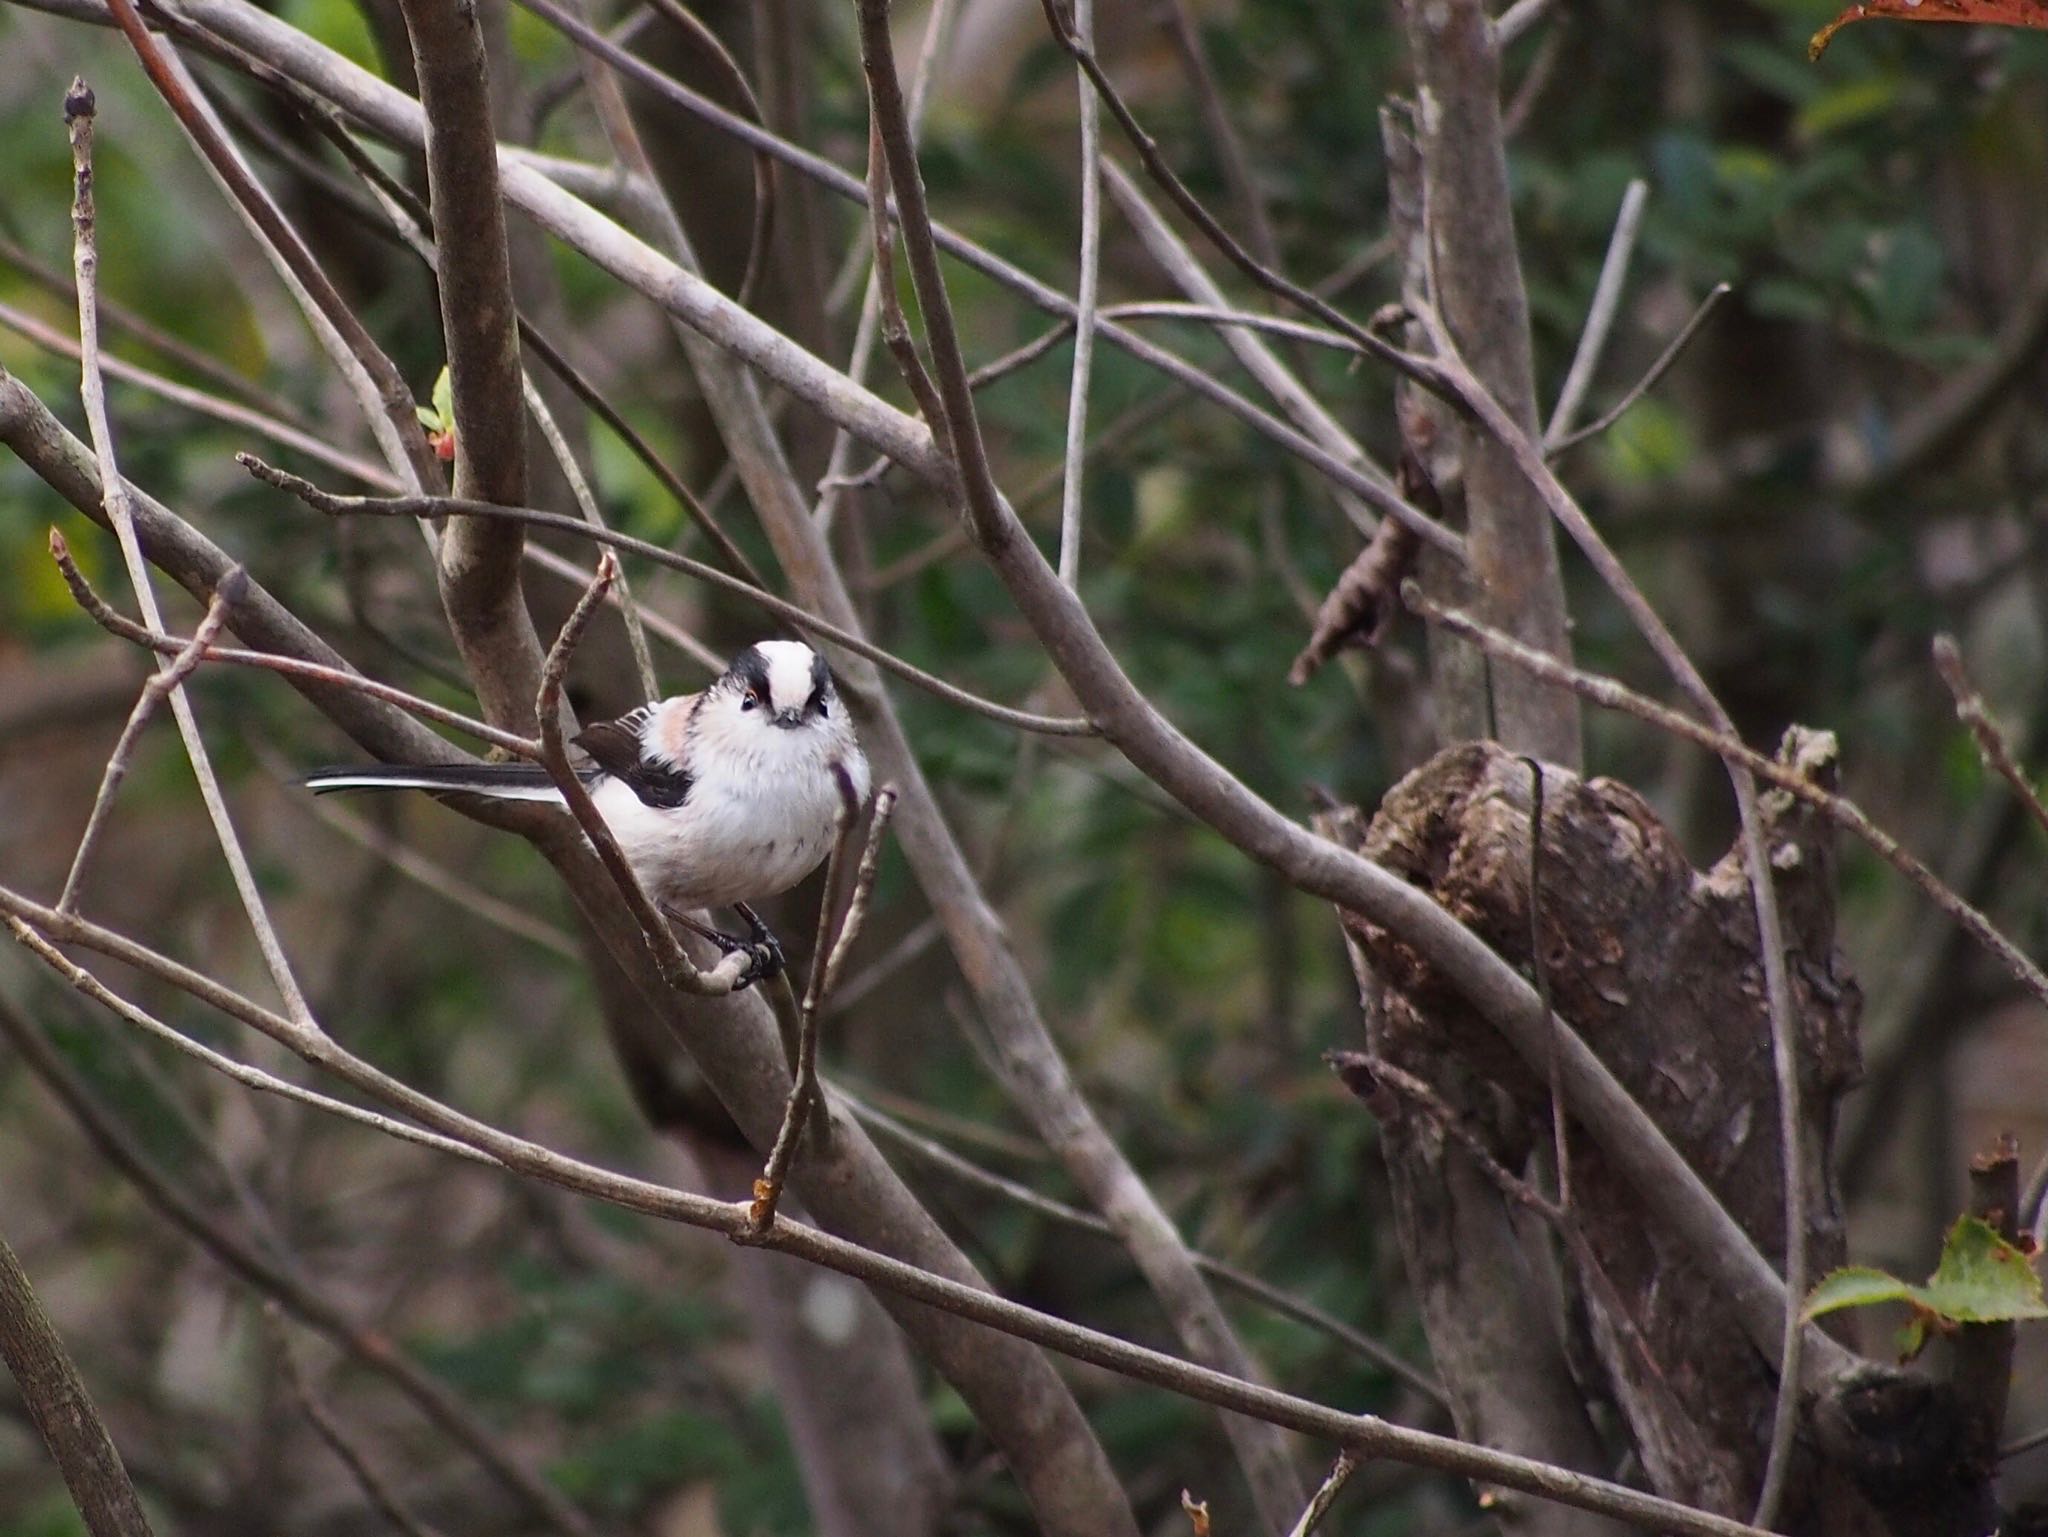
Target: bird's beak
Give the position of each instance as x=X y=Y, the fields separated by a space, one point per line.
x=788 y=718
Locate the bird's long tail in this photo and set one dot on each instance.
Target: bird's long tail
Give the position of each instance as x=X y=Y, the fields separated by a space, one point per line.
x=500 y=781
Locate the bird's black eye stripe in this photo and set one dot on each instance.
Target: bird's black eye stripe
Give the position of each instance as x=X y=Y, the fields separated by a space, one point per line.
x=821 y=686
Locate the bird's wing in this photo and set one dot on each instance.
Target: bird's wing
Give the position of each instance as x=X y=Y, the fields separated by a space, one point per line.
x=620 y=748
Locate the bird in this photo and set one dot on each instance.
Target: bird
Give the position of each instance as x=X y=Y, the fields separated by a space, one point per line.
x=717 y=799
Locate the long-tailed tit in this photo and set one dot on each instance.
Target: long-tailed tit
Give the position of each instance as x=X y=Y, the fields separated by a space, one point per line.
x=717 y=799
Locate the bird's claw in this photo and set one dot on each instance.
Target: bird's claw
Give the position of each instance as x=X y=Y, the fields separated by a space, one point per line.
x=762 y=949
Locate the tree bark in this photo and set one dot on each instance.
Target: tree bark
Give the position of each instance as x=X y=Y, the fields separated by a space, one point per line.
x=1478 y=273
x=1656 y=965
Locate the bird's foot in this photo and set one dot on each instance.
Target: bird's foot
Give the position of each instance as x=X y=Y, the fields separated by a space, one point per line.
x=764 y=951
x=760 y=946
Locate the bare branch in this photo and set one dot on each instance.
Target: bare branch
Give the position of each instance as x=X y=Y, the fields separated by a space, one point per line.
x=1621 y=247
x=78 y=115
x=1315 y=865
x=676 y=968
x=63 y=1411
x=1475 y=279
x=153 y=693
x=827 y=958
x=1992 y=743
x=1844 y=813
x=478 y=563
x=231 y=591
x=1086 y=301
x=1651 y=376
x=427 y=507
x=1362 y=1434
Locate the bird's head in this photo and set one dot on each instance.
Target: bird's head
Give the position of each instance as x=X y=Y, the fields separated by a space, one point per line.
x=775 y=700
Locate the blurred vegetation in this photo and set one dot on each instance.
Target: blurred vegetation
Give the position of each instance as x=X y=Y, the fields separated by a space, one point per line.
x=1880 y=215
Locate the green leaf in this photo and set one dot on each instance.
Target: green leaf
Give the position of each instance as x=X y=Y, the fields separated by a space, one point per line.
x=444 y=399
x=1982 y=1279
x=1854 y=1286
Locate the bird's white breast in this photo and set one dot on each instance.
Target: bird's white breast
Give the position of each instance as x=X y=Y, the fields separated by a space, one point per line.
x=750 y=829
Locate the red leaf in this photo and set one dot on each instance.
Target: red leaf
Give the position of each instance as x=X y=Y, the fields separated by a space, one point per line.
x=1995 y=13
x=443 y=445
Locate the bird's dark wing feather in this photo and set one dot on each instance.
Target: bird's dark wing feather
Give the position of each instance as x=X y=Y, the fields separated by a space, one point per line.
x=615 y=747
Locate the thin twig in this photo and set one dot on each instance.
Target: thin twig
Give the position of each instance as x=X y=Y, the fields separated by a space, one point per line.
x=1087 y=298
x=1363 y=1434
x=1621 y=247
x=78 y=115
x=1238 y=1279
x=895 y=329
x=677 y=969
x=1061 y=22
x=104 y=615
x=277 y=430
x=382 y=1497
x=1992 y=743
x=1178 y=21
x=33 y=936
x=434 y=506
x=1223 y=316
x=658 y=625
x=1843 y=812
x=153 y=693
x=586 y=503
x=275 y=1279
x=1326 y=1496
x=827 y=959
x=938 y=32
x=1651 y=376
x=392 y=420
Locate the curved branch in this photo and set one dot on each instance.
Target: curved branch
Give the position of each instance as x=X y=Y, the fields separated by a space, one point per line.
x=1363 y=1434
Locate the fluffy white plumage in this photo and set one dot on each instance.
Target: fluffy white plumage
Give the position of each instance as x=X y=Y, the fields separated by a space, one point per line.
x=715 y=798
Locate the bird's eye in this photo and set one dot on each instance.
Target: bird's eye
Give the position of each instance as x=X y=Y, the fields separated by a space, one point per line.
x=824 y=709
x=749 y=699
